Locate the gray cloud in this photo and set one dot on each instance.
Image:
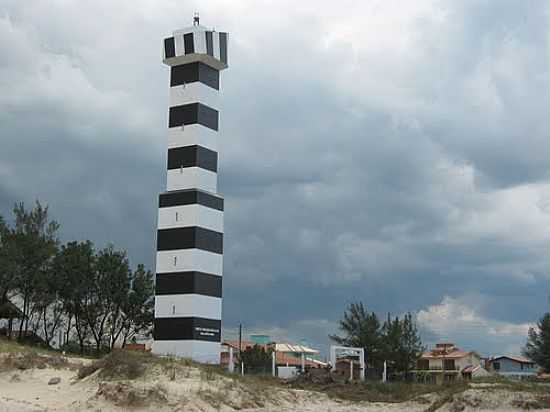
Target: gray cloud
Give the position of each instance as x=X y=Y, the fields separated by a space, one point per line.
x=396 y=155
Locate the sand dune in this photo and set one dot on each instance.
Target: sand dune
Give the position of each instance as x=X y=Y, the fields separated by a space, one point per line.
x=192 y=389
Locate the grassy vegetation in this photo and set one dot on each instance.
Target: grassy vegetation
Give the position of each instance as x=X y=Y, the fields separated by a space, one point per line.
x=12 y=346
x=128 y=365
x=515 y=385
x=380 y=392
x=17 y=356
x=31 y=360
x=218 y=387
x=119 y=364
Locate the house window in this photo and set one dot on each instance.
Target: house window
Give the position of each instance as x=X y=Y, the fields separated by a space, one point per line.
x=521 y=364
x=449 y=364
x=496 y=366
x=423 y=364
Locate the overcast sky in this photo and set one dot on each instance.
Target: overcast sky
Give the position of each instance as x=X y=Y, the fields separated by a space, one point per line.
x=393 y=152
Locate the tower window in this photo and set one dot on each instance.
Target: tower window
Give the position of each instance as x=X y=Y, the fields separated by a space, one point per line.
x=209 y=44
x=175 y=260
x=169 y=47
x=176 y=216
x=188 y=43
x=173 y=309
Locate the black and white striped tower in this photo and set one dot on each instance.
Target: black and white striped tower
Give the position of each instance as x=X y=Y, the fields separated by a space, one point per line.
x=188 y=297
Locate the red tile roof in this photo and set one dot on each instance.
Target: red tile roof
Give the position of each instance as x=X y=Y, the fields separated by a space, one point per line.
x=457 y=354
x=244 y=344
x=470 y=368
x=446 y=351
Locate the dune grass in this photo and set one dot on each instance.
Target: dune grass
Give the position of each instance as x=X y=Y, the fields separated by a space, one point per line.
x=12 y=346
x=514 y=385
x=121 y=365
x=395 y=392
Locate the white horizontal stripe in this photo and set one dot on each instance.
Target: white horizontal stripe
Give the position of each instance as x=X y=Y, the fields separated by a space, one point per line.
x=188 y=305
x=191 y=178
x=193 y=134
x=190 y=215
x=216 y=43
x=189 y=260
x=199 y=351
x=195 y=92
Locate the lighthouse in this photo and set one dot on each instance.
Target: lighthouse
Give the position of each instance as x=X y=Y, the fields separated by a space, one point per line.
x=189 y=260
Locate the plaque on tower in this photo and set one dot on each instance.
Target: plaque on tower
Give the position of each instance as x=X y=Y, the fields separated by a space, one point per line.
x=189 y=260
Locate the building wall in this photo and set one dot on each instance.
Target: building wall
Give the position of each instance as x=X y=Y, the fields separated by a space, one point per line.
x=471 y=359
x=511 y=366
x=441 y=376
x=480 y=373
x=460 y=363
x=436 y=363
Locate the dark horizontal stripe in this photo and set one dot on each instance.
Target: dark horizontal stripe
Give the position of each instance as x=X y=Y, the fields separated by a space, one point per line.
x=194 y=72
x=169 y=47
x=192 y=237
x=223 y=47
x=188 y=43
x=209 y=44
x=191 y=114
x=177 y=283
x=192 y=156
x=187 y=329
x=190 y=197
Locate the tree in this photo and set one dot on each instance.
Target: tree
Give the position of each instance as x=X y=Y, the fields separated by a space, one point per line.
x=396 y=341
x=411 y=346
x=48 y=303
x=401 y=342
x=108 y=294
x=362 y=330
x=538 y=343
x=392 y=336
x=92 y=294
x=138 y=313
x=256 y=359
x=34 y=244
x=6 y=262
x=75 y=266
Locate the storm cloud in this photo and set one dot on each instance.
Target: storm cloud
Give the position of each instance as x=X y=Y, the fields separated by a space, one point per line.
x=385 y=151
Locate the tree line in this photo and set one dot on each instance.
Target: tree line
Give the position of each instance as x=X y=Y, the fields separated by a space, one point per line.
x=395 y=341
x=87 y=297
x=398 y=342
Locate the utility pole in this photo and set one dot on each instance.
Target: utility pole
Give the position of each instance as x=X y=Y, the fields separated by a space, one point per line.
x=240 y=339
